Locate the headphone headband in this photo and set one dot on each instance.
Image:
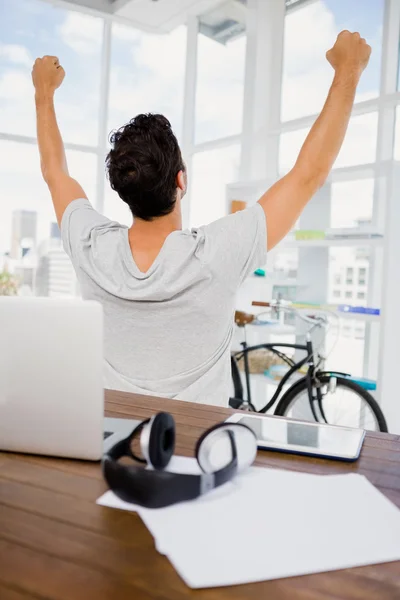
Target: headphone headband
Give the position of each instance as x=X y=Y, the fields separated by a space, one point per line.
x=159 y=488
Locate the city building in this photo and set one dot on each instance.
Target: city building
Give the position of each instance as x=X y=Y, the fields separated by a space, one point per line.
x=23 y=232
x=55 y=275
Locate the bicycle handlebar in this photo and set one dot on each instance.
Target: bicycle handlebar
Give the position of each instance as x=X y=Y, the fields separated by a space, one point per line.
x=315 y=321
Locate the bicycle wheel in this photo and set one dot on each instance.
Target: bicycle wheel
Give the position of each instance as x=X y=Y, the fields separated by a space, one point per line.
x=343 y=403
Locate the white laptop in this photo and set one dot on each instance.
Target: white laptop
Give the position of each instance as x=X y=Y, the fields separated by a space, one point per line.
x=51 y=380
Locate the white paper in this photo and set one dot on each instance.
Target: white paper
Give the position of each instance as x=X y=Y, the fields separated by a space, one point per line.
x=267 y=524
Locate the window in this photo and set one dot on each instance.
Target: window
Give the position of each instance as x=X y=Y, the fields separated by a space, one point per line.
x=359 y=333
x=289 y=147
x=27 y=218
x=30 y=29
x=212 y=171
x=338 y=279
x=349 y=275
x=283 y=263
x=397 y=133
x=359 y=145
x=360 y=295
x=147 y=75
x=348 y=294
x=309 y=32
x=346 y=350
x=115 y=208
x=352 y=203
x=220 y=87
x=362 y=276
x=336 y=294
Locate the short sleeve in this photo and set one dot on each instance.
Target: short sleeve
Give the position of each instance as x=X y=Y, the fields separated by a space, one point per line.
x=236 y=245
x=78 y=222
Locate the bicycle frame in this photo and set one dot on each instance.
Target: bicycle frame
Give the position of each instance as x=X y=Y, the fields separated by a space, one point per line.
x=309 y=358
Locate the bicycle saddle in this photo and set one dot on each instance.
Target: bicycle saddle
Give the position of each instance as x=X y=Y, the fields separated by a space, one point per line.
x=243 y=318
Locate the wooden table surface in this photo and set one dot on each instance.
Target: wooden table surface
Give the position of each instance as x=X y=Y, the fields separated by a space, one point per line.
x=57 y=544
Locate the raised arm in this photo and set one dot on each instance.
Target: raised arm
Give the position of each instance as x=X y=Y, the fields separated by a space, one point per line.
x=284 y=201
x=47 y=76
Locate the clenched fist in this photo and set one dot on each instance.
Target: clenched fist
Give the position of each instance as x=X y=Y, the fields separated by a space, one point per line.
x=350 y=52
x=47 y=75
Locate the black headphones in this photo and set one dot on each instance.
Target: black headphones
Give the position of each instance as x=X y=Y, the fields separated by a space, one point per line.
x=221 y=453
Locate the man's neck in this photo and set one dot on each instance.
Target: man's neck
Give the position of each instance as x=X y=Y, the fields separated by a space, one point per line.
x=158 y=228
x=146 y=238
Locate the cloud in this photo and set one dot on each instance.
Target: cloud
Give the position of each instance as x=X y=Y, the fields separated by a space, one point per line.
x=83 y=33
x=17 y=112
x=359 y=144
x=148 y=76
x=78 y=123
x=14 y=84
x=350 y=202
x=16 y=54
x=23 y=187
x=155 y=80
x=307 y=75
x=124 y=33
x=309 y=33
x=220 y=88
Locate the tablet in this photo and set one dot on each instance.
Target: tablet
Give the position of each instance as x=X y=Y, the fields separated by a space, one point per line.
x=300 y=437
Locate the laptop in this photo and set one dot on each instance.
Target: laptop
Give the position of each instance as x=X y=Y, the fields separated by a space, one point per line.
x=51 y=379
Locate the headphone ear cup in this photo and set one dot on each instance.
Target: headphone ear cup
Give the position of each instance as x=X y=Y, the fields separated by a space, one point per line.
x=214 y=450
x=161 y=440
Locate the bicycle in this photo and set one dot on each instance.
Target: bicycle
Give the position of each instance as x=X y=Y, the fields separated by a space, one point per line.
x=323 y=396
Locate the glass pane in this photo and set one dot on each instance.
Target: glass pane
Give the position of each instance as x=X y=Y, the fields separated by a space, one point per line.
x=346 y=347
x=82 y=166
x=359 y=145
x=115 y=208
x=397 y=135
x=147 y=75
x=348 y=275
x=346 y=343
x=220 y=87
x=282 y=264
x=28 y=231
x=30 y=28
x=352 y=203
x=212 y=171
x=309 y=33
x=289 y=147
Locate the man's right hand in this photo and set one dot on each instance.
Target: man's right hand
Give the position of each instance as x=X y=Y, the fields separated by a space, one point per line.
x=350 y=53
x=47 y=75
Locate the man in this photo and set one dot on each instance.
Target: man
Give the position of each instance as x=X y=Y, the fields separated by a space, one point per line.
x=169 y=295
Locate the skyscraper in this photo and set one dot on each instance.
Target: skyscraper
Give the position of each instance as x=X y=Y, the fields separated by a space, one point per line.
x=23 y=234
x=55 y=233
x=55 y=275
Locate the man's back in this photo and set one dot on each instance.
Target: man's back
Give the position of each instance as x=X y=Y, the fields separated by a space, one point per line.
x=168 y=330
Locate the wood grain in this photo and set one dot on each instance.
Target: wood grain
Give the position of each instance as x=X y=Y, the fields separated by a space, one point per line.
x=57 y=544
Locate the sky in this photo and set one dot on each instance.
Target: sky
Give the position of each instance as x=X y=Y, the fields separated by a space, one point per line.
x=147 y=74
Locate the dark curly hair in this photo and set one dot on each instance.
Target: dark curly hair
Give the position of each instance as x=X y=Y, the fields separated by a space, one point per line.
x=142 y=165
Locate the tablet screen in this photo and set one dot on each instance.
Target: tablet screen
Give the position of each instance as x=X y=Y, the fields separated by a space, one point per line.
x=296 y=436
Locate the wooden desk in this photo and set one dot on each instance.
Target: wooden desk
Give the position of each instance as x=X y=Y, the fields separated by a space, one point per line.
x=57 y=544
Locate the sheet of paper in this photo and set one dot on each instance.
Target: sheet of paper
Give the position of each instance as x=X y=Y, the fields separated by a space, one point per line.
x=268 y=524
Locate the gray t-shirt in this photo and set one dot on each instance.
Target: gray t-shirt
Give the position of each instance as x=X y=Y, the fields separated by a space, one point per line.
x=168 y=331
